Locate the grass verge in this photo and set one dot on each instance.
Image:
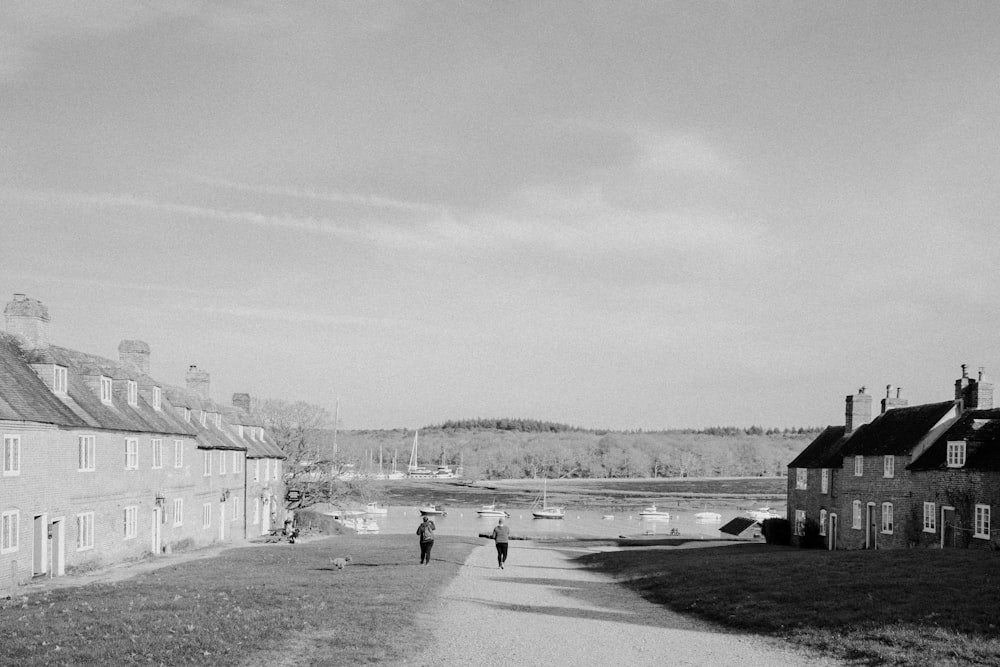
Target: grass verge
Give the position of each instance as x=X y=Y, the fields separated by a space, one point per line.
x=902 y=607
x=246 y=606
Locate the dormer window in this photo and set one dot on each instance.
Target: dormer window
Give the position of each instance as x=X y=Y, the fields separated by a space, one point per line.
x=956 y=454
x=253 y=433
x=133 y=392
x=156 y=398
x=260 y=434
x=187 y=415
x=218 y=420
x=106 y=392
x=204 y=417
x=239 y=428
x=59 y=379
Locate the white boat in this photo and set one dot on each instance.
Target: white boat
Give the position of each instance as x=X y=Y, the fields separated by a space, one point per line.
x=432 y=510
x=444 y=472
x=546 y=512
x=413 y=469
x=652 y=513
x=708 y=517
x=491 y=511
x=375 y=508
x=763 y=513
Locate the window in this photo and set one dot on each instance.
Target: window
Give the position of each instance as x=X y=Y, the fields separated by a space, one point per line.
x=157 y=447
x=106 y=393
x=956 y=454
x=236 y=461
x=218 y=420
x=824 y=480
x=11 y=455
x=267 y=469
x=859 y=466
x=84 y=531
x=888 y=466
x=256 y=470
x=206 y=515
x=800 y=521
x=222 y=463
x=253 y=433
x=131 y=522
x=930 y=518
x=157 y=396
x=887 y=518
x=256 y=511
x=982 y=522
x=822 y=522
x=206 y=463
x=856 y=515
x=87 y=447
x=204 y=417
x=236 y=508
x=801 y=478
x=9 y=531
x=178 y=511
x=178 y=453
x=260 y=434
x=133 y=392
x=239 y=429
x=131 y=453
x=59 y=379
x=187 y=415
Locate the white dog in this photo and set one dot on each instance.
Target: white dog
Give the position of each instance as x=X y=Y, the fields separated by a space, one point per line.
x=341 y=563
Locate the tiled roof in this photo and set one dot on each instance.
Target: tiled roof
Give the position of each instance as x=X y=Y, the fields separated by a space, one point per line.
x=824 y=451
x=980 y=429
x=738 y=525
x=897 y=431
x=24 y=397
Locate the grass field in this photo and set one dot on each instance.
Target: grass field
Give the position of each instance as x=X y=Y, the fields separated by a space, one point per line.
x=248 y=606
x=906 y=607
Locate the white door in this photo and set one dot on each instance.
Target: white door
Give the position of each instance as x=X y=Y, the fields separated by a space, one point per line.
x=155 y=545
x=222 y=520
x=40 y=546
x=265 y=517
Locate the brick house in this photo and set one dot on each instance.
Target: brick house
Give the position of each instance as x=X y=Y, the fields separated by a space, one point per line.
x=924 y=475
x=100 y=465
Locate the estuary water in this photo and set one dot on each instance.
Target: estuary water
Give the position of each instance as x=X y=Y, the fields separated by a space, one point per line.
x=464 y=521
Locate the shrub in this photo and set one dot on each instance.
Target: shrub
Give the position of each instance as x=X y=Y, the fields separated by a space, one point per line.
x=810 y=539
x=777 y=531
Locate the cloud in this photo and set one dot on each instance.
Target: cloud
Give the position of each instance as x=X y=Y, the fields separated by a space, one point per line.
x=685 y=153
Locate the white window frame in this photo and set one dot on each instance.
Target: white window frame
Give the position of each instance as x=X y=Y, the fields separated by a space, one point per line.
x=178 y=511
x=856 y=515
x=107 y=390
x=156 y=445
x=859 y=466
x=131 y=453
x=253 y=433
x=930 y=518
x=10 y=531
x=206 y=515
x=222 y=462
x=206 y=462
x=801 y=479
x=130 y=518
x=824 y=481
x=982 y=530
x=187 y=415
x=888 y=466
x=956 y=454
x=887 y=522
x=178 y=453
x=60 y=379
x=133 y=392
x=800 y=521
x=11 y=455
x=822 y=522
x=237 y=461
x=87 y=448
x=84 y=531
x=157 y=398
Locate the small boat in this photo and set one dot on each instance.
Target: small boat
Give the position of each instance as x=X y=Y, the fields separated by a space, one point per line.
x=708 y=517
x=491 y=511
x=432 y=510
x=763 y=513
x=608 y=517
x=375 y=508
x=652 y=513
x=444 y=472
x=546 y=512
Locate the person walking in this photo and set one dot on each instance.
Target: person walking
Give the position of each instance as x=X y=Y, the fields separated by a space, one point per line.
x=426 y=532
x=501 y=535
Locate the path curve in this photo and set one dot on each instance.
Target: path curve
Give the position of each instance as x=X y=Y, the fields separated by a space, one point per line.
x=543 y=609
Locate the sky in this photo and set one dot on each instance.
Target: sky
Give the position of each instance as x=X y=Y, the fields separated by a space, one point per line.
x=622 y=215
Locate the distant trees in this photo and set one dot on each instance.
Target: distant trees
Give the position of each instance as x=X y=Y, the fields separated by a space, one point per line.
x=507 y=424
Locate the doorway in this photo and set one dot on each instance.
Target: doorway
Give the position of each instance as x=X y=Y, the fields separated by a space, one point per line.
x=832 y=532
x=155 y=532
x=948 y=534
x=57 y=547
x=871 y=534
x=40 y=546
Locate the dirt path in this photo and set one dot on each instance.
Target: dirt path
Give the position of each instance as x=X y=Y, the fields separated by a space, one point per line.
x=542 y=609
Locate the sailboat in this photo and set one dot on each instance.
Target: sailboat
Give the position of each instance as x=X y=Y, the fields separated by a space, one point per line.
x=546 y=512
x=414 y=470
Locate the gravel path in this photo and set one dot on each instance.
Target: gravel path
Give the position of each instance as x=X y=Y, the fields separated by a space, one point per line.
x=542 y=609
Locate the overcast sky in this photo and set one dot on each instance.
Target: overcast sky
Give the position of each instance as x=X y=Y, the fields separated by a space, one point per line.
x=613 y=215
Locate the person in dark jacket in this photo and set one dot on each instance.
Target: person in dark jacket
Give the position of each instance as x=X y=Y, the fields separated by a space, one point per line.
x=501 y=535
x=426 y=532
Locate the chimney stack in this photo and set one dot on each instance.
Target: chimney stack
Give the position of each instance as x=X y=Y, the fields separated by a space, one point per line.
x=197 y=381
x=975 y=394
x=859 y=410
x=242 y=401
x=134 y=353
x=890 y=402
x=28 y=321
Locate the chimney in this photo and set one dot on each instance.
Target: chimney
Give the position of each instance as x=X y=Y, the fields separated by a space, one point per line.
x=962 y=383
x=859 y=410
x=197 y=381
x=134 y=353
x=976 y=394
x=242 y=401
x=890 y=402
x=28 y=320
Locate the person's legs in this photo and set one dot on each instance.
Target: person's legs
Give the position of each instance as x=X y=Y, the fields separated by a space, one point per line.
x=423 y=552
x=428 y=545
x=502 y=553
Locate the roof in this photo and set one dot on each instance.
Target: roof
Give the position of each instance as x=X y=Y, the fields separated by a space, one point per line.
x=738 y=525
x=897 y=431
x=23 y=395
x=823 y=451
x=980 y=430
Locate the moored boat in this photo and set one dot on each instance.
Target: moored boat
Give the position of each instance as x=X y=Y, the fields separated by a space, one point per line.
x=652 y=513
x=432 y=510
x=708 y=517
x=491 y=511
x=375 y=508
x=546 y=512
